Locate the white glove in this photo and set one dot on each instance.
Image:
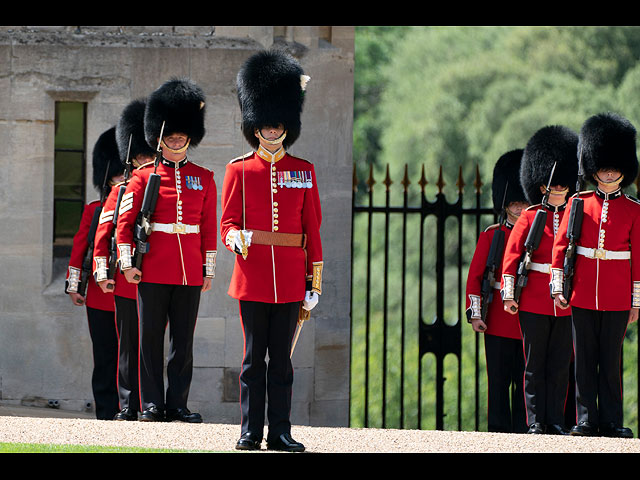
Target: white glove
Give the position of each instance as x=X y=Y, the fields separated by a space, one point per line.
x=234 y=240
x=310 y=300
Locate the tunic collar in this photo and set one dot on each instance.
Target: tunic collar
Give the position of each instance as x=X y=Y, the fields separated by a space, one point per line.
x=609 y=196
x=555 y=208
x=170 y=164
x=268 y=156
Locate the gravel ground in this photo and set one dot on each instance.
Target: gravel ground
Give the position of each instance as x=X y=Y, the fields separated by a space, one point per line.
x=221 y=438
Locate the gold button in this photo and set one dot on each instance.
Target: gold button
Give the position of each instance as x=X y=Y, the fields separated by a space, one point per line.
x=275 y=204
x=275 y=210
x=275 y=215
x=275 y=229
x=275 y=221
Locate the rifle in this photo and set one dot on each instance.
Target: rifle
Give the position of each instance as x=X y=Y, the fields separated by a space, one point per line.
x=573 y=234
x=142 y=228
x=87 y=263
x=532 y=242
x=574 y=227
x=113 y=254
x=493 y=262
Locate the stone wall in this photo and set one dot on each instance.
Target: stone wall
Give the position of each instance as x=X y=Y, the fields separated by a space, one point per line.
x=45 y=349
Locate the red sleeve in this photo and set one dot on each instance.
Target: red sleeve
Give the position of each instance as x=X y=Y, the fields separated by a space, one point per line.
x=80 y=240
x=514 y=249
x=129 y=207
x=231 y=204
x=316 y=196
x=560 y=242
x=208 y=223
x=311 y=226
x=105 y=226
x=79 y=248
x=478 y=264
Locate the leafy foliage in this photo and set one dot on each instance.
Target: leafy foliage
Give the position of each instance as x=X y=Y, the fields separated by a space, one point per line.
x=460 y=97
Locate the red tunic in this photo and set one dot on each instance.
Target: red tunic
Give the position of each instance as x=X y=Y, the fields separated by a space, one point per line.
x=187 y=196
x=499 y=322
x=103 y=242
x=95 y=297
x=612 y=224
x=535 y=296
x=280 y=196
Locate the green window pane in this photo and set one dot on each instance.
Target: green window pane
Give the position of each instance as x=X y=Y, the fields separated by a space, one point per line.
x=69 y=174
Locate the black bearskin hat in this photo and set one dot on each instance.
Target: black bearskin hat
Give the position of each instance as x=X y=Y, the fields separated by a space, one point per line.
x=506 y=174
x=608 y=140
x=106 y=160
x=548 y=146
x=131 y=126
x=270 y=92
x=178 y=102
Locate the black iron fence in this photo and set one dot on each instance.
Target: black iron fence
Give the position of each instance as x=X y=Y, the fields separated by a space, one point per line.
x=415 y=361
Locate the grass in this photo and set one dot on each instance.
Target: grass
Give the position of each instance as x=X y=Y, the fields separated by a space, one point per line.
x=52 y=448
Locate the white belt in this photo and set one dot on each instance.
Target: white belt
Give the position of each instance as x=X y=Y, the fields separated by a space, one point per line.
x=175 y=228
x=603 y=254
x=540 y=267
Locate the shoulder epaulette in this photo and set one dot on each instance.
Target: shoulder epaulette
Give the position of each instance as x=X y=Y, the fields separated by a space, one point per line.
x=233 y=160
x=633 y=199
x=144 y=165
x=492 y=227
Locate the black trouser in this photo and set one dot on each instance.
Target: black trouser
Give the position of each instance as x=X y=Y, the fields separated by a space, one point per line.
x=268 y=329
x=157 y=305
x=547 y=350
x=127 y=320
x=597 y=338
x=505 y=369
x=104 y=341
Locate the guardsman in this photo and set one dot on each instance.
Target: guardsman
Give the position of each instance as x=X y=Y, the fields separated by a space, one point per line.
x=174 y=261
x=134 y=152
x=605 y=294
x=548 y=173
x=271 y=220
x=107 y=170
x=502 y=340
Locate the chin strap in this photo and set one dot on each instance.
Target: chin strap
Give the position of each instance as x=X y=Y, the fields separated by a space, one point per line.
x=179 y=150
x=612 y=182
x=278 y=140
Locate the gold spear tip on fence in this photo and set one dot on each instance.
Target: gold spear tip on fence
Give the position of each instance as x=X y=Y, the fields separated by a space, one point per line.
x=370 y=181
x=478 y=183
x=387 y=180
x=405 y=180
x=423 y=180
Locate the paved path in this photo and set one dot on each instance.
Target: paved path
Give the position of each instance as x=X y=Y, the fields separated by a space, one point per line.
x=46 y=425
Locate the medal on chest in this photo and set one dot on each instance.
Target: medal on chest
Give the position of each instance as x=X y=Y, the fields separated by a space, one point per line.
x=295 y=179
x=193 y=183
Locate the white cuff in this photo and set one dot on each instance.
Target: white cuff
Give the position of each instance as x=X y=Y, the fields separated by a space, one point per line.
x=475 y=303
x=101 y=269
x=124 y=251
x=508 y=290
x=210 y=265
x=557 y=281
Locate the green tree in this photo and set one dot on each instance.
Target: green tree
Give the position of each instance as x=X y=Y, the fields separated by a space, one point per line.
x=460 y=97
